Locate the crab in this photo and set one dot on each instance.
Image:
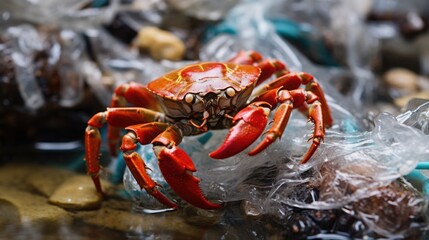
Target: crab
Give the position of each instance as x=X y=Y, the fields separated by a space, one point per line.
x=198 y=98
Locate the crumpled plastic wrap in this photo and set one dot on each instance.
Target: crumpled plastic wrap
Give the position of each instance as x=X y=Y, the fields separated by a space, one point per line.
x=252 y=32
x=70 y=14
x=354 y=169
x=203 y=9
x=43 y=41
x=44 y=65
x=356 y=172
x=364 y=160
x=215 y=175
x=325 y=39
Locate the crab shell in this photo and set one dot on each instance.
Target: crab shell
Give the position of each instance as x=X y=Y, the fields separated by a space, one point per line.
x=205 y=81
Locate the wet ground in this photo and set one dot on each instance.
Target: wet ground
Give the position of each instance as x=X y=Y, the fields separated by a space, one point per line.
x=32 y=209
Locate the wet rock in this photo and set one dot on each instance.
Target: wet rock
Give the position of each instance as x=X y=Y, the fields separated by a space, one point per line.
x=405 y=85
x=14 y=175
x=140 y=224
x=10 y=214
x=160 y=44
x=30 y=177
x=33 y=208
x=46 y=180
x=402 y=79
x=77 y=193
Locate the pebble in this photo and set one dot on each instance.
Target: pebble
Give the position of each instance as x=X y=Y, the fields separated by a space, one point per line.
x=402 y=101
x=32 y=208
x=406 y=85
x=160 y=44
x=15 y=175
x=402 y=79
x=11 y=212
x=46 y=180
x=45 y=202
x=78 y=193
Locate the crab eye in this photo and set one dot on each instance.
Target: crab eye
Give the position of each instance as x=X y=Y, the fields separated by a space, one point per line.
x=189 y=98
x=230 y=92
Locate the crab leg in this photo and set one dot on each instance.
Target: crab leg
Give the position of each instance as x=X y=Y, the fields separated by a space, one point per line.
x=268 y=66
x=249 y=123
x=281 y=116
x=315 y=115
x=118 y=117
x=144 y=134
x=315 y=88
x=177 y=168
x=128 y=93
x=288 y=100
x=292 y=81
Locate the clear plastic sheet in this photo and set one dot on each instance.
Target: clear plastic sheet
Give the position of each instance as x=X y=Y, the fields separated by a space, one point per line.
x=74 y=14
x=253 y=32
x=356 y=172
x=115 y=64
x=416 y=115
x=23 y=42
x=43 y=60
x=349 y=41
x=364 y=160
x=70 y=50
x=203 y=9
x=34 y=29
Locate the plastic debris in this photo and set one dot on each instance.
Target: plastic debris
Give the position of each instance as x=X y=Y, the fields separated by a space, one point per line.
x=358 y=167
x=69 y=14
x=203 y=9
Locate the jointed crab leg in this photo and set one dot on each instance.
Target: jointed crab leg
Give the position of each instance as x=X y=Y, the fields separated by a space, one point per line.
x=239 y=138
x=128 y=93
x=289 y=100
x=316 y=115
x=281 y=116
x=293 y=80
x=268 y=66
x=289 y=80
x=144 y=134
x=177 y=168
x=118 y=117
x=175 y=165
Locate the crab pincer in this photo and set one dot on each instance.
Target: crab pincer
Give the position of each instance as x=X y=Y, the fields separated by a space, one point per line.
x=177 y=168
x=249 y=124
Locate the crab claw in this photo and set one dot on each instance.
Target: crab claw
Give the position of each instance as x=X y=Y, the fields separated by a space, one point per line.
x=249 y=124
x=177 y=168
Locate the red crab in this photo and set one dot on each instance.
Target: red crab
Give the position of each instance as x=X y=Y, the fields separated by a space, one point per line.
x=198 y=98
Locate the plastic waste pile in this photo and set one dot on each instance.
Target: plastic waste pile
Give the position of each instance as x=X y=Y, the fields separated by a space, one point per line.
x=369 y=158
